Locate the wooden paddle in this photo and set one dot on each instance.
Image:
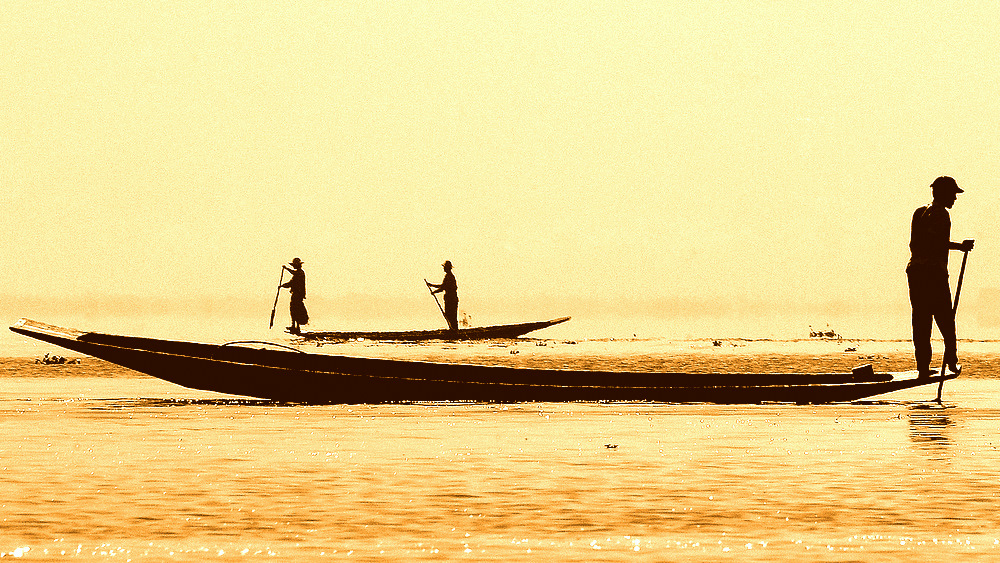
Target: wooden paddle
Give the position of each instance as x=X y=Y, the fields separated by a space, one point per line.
x=954 y=312
x=275 y=308
x=438 y=302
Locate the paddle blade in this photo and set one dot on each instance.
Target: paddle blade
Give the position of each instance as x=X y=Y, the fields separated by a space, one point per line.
x=271 y=325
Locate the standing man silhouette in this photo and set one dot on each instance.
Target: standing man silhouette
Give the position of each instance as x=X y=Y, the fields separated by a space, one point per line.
x=450 y=288
x=927 y=275
x=297 y=287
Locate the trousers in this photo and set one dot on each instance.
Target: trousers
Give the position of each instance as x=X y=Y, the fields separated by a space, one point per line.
x=451 y=313
x=930 y=298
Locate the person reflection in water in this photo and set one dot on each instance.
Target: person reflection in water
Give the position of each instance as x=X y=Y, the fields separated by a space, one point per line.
x=927 y=275
x=297 y=287
x=450 y=288
x=930 y=431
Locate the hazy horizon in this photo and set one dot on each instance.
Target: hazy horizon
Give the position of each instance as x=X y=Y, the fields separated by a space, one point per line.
x=663 y=318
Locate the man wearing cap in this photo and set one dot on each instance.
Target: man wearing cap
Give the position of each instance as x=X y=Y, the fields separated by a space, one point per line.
x=297 y=287
x=927 y=275
x=450 y=288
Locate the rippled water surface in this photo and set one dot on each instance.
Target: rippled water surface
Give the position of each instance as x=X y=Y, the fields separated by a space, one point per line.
x=98 y=463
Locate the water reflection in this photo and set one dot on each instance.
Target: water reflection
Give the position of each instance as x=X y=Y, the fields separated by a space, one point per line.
x=930 y=429
x=148 y=402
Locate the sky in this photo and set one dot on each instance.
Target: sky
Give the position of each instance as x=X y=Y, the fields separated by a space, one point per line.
x=740 y=166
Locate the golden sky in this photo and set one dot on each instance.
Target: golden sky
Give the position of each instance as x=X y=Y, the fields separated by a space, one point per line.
x=699 y=152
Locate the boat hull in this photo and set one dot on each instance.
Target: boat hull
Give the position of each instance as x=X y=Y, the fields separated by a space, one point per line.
x=295 y=376
x=475 y=333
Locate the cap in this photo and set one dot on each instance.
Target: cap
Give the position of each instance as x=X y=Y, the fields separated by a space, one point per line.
x=447 y=264
x=946 y=183
x=296 y=262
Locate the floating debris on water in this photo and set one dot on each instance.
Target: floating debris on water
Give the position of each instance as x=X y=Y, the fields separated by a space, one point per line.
x=56 y=360
x=828 y=333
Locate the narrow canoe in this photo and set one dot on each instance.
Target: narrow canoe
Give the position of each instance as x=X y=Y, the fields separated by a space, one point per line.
x=290 y=375
x=475 y=333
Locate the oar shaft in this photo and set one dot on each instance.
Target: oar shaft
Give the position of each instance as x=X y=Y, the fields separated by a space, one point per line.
x=958 y=286
x=276 y=295
x=954 y=313
x=436 y=300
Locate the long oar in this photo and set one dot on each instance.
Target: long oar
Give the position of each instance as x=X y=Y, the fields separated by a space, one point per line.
x=275 y=308
x=436 y=301
x=954 y=311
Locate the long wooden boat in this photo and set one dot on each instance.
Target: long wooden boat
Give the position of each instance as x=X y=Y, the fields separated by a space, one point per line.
x=474 y=333
x=290 y=375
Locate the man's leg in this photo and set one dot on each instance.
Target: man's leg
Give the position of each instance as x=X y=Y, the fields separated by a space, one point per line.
x=944 y=315
x=451 y=314
x=921 y=320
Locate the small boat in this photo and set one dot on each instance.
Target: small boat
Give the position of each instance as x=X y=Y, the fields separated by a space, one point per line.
x=474 y=333
x=287 y=374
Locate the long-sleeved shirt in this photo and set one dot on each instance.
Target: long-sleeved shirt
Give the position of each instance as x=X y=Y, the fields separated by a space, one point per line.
x=297 y=285
x=450 y=287
x=930 y=237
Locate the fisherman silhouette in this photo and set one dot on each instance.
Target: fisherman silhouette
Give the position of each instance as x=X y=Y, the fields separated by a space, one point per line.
x=297 y=287
x=927 y=275
x=450 y=288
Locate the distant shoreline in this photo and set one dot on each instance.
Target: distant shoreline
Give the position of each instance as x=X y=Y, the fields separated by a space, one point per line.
x=609 y=347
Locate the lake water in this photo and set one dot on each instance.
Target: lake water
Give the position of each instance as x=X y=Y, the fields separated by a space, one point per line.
x=100 y=463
